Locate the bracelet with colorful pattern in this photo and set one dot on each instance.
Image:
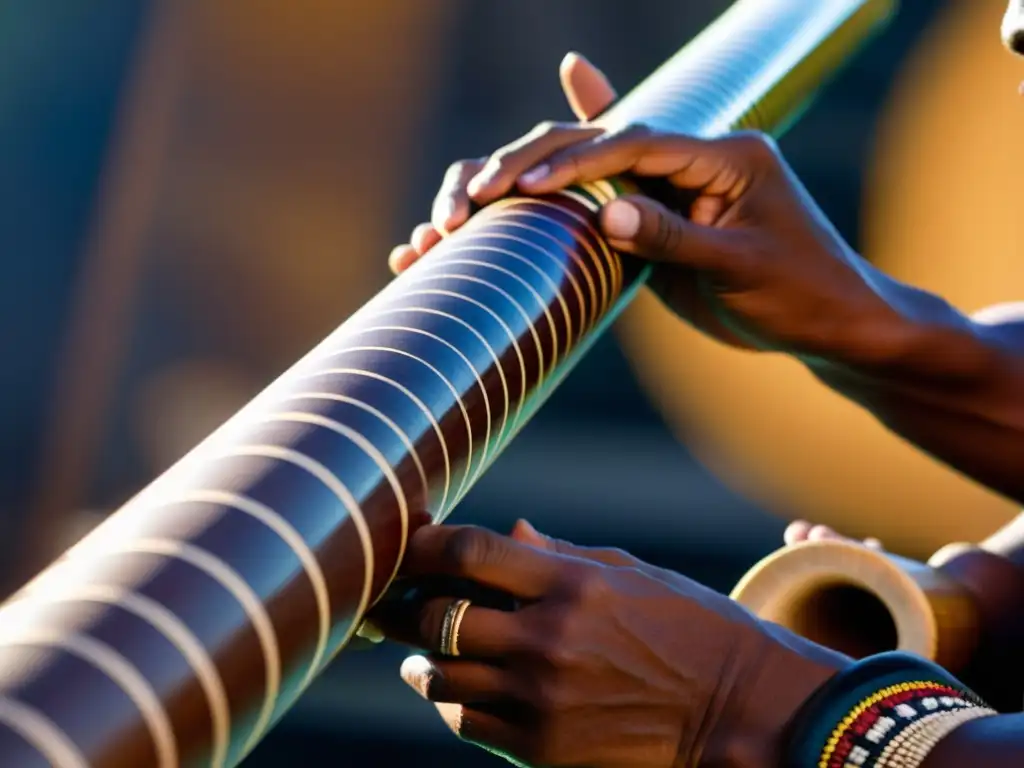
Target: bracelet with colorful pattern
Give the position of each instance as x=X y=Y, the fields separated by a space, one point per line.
x=887 y=711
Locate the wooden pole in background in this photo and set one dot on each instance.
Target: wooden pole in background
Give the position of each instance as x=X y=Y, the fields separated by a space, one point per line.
x=102 y=300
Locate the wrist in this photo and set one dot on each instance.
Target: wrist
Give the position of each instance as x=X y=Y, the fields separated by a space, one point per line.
x=886 y=711
x=897 y=329
x=897 y=347
x=784 y=671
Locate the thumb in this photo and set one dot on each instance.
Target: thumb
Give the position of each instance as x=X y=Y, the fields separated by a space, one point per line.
x=646 y=228
x=587 y=89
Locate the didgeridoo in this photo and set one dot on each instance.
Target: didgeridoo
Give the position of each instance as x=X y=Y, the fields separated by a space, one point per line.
x=182 y=628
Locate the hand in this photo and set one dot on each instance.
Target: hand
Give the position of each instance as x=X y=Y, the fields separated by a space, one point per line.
x=605 y=663
x=743 y=254
x=588 y=92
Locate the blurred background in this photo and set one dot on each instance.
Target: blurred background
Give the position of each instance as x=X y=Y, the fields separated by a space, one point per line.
x=194 y=192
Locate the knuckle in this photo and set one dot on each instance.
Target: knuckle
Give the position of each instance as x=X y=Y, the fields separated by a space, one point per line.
x=468 y=547
x=634 y=138
x=757 y=145
x=499 y=162
x=616 y=556
x=668 y=236
x=636 y=132
x=460 y=170
x=591 y=584
x=554 y=655
x=554 y=645
x=547 y=644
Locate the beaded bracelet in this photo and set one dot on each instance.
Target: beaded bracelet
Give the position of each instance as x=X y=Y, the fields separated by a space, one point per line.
x=887 y=711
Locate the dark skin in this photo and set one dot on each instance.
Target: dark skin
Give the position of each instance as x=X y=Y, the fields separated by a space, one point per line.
x=609 y=661
x=754 y=263
x=599 y=666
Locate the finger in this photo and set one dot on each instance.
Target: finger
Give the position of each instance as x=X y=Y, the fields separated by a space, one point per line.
x=485 y=729
x=586 y=88
x=825 y=533
x=504 y=167
x=401 y=258
x=480 y=555
x=714 y=167
x=797 y=531
x=523 y=531
x=452 y=206
x=646 y=228
x=369 y=632
x=481 y=632
x=457 y=681
x=424 y=237
x=802 y=530
x=357 y=644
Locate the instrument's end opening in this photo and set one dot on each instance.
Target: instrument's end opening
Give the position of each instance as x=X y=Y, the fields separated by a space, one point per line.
x=843 y=616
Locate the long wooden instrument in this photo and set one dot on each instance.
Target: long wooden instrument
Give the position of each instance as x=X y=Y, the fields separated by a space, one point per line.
x=184 y=626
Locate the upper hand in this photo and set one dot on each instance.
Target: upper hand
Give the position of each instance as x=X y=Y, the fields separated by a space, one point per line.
x=743 y=253
x=603 y=664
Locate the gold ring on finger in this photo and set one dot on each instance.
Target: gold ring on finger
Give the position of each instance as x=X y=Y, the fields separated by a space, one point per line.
x=450 y=627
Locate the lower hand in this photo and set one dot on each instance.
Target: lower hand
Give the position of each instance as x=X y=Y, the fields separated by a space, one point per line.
x=607 y=661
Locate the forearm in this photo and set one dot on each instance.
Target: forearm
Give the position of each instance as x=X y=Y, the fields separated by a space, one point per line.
x=991 y=742
x=950 y=384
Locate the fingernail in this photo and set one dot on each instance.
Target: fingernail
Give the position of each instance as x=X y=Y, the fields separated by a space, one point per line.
x=536 y=175
x=397 y=257
x=482 y=180
x=476 y=185
x=621 y=220
x=443 y=213
x=369 y=631
x=416 y=671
